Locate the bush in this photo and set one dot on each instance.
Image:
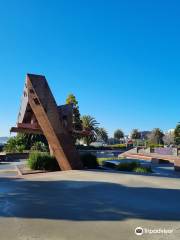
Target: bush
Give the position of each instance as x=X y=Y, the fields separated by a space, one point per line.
x=133 y=167
x=42 y=161
x=39 y=146
x=151 y=145
x=177 y=141
x=143 y=170
x=14 y=145
x=128 y=166
x=1 y=148
x=122 y=146
x=89 y=161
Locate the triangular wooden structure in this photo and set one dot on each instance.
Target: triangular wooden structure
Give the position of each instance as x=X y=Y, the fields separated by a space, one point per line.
x=39 y=114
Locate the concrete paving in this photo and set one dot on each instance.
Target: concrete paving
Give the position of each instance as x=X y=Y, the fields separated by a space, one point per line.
x=88 y=205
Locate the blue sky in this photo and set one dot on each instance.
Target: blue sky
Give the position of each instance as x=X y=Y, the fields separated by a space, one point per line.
x=120 y=58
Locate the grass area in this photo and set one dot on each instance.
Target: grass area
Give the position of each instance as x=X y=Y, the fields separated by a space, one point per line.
x=143 y=170
x=133 y=166
x=122 y=145
x=101 y=160
x=8 y=171
x=107 y=147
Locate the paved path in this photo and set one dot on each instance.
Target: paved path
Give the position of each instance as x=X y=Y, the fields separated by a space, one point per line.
x=85 y=205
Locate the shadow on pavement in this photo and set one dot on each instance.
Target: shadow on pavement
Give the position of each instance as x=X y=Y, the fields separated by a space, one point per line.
x=86 y=201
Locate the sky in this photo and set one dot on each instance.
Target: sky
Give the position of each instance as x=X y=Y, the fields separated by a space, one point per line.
x=121 y=59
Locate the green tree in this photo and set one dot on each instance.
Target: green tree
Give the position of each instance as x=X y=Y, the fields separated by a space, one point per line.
x=22 y=142
x=118 y=134
x=135 y=134
x=156 y=137
x=40 y=147
x=77 y=123
x=15 y=144
x=102 y=134
x=91 y=126
x=31 y=139
x=71 y=99
x=177 y=134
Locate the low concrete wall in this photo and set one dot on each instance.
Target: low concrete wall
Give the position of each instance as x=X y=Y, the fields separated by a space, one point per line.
x=13 y=156
x=177 y=165
x=167 y=151
x=178 y=151
x=102 y=153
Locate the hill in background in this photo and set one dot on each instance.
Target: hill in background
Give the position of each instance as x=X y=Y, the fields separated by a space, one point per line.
x=3 y=140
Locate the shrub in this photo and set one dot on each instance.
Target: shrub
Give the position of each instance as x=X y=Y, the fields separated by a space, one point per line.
x=42 y=161
x=143 y=170
x=20 y=148
x=133 y=167
x=177 y=141
x=122 y=146
x=128 y=166
x=14 y=144
x=89 y=161
x=39 y=146
x=151 y=145
x=1 y=148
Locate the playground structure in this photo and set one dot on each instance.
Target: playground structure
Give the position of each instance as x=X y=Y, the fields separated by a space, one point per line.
x=39 y=114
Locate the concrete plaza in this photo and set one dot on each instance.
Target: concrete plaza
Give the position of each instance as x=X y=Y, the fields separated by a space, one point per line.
x=91 y=205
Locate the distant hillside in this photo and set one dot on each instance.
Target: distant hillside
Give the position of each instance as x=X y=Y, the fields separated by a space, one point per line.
x=3 y=140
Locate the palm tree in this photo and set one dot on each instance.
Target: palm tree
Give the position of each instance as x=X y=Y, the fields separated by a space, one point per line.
x=90 y=125
x=102 y=134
